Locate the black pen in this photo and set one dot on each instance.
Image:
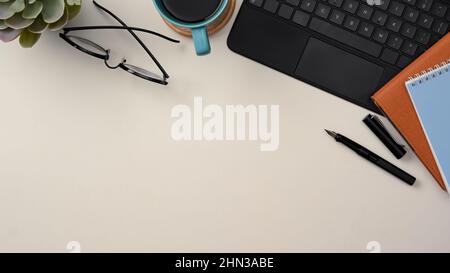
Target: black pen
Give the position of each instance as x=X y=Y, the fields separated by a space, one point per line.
x=374 y=158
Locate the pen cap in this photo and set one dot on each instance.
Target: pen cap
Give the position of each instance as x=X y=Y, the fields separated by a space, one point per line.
x=375 y=125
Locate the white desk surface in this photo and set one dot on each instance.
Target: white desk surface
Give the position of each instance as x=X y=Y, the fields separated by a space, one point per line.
x=87 y=156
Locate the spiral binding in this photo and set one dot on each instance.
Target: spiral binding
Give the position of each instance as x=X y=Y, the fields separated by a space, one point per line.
x=430 y=73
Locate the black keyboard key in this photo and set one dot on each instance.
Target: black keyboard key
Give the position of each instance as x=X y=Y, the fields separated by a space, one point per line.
x=379 y=18
x=293 y=2
x=337 y=17
x=409 y=47
x=286 y=11
x=365 y=11
x=323 y=11
x=411 y=14
x=366 y=29
x=440 y=27
x=423 y=37
x=350 y=5
x=271 y=5
x=380 y=35
x=336 y=3
x=408 y=30
x=395 y=42
x=351 y=23
x=410 y=2
x=257 y=3
x=425 y=4
x=389 y=56
x=308 y=5
x=345 y=37
x=301 y=18
x=421 y=50
x=394 y=24
x=439 y=9
x=384 y=4
x=397 y=8
x=425 y=21
x=404 y=61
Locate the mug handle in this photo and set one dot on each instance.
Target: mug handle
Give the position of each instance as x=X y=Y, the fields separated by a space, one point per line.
x=201 y=41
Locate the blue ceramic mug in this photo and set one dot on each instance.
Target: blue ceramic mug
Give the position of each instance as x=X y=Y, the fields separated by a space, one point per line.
x=199 y=29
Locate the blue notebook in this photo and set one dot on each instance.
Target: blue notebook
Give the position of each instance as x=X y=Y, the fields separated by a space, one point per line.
x=430 y=94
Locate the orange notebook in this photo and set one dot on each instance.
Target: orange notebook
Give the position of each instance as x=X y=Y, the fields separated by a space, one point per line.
x=393 y=99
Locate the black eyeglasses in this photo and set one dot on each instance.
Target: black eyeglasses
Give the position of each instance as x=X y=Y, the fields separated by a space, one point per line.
x=95 y=50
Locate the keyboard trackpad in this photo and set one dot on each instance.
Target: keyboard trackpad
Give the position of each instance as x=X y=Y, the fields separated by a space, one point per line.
x=339 y=72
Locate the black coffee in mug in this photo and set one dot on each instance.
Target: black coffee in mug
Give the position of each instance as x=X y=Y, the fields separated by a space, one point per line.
x=191 y=11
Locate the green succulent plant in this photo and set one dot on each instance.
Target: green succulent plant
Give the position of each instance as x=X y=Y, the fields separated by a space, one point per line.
x=28 y=19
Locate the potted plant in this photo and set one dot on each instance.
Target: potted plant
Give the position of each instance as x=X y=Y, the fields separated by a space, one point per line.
x=28 y=19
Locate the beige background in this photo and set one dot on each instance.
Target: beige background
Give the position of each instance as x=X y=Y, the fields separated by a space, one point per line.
x=86 y=155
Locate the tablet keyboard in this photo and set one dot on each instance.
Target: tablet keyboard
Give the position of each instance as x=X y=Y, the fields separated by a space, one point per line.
x=396 y=32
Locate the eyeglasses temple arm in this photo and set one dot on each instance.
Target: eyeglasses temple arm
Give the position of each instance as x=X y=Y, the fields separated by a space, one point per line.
x=69 y=29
